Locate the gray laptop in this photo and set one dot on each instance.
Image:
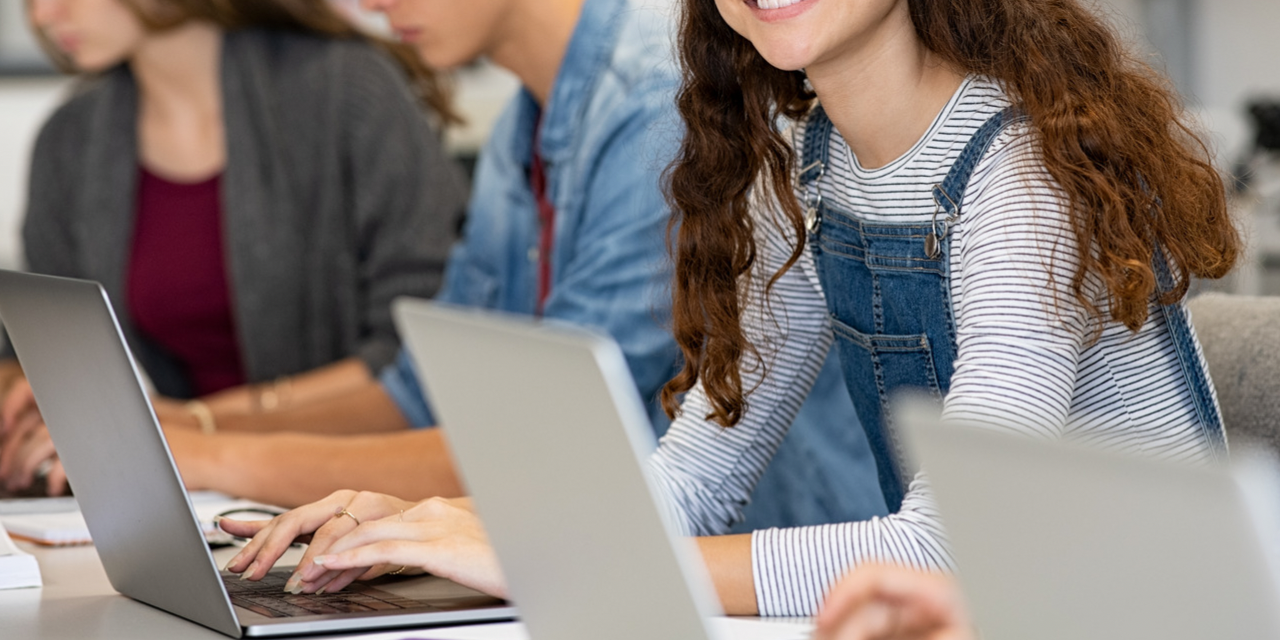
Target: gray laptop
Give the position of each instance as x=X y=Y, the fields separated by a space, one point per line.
x=140 y=516
x=1058 y=542
x=551 y=437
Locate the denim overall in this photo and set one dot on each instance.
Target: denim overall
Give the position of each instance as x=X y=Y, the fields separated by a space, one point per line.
x=888 y=292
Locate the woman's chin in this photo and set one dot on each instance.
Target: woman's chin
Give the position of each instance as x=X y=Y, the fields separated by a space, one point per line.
x=786 y=57
x=87 y=63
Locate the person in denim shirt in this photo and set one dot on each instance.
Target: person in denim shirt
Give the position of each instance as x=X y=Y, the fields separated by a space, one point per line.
x=605 y=134
x=605 y=127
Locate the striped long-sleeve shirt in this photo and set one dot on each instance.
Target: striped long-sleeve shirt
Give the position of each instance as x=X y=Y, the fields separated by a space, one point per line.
x=1030 y=358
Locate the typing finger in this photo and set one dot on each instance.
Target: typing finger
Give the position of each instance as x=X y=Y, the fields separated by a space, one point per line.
x=15 y=438
x=323 y=577
x=19 y=400
x=13 y=462
x=37 y=454
x=460 y=556
x=363 y=507
x=340 y=580
x=56 y=481
x=270 y=542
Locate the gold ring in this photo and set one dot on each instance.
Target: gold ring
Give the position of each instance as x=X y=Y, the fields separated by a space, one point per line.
x=398 y=571
x=343 y=512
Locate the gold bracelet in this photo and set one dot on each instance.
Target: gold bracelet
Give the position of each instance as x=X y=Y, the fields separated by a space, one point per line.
x=203 y=415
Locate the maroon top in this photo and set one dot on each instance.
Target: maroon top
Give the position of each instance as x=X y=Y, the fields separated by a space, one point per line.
x=177 y=285
x=546 y=215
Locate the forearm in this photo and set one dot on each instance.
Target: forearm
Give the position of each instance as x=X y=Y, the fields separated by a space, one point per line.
x=290 y=469
x=295 y=391
x=365 y=409
x=728 y=561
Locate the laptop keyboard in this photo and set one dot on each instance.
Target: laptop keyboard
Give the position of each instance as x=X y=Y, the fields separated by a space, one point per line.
x=266 y=597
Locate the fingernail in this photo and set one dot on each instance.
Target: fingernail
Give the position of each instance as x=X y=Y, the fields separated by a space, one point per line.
x=294 y=585
x=322 y=560
x=320 y=591
x=252 y=567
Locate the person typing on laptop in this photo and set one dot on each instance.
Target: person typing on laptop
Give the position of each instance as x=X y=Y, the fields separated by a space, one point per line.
x=253 y=181
x=980 y=219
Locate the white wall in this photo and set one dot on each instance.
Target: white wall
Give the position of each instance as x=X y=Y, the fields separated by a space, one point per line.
x=1234 y=55
x=24 y=105
x=1237 y=57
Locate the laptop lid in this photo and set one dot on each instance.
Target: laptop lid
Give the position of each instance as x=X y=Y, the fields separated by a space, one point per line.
x=142 y=521
x=1056 y=541
x=550 y=434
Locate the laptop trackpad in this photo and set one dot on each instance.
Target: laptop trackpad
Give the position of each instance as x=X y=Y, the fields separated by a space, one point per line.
x=438 y=592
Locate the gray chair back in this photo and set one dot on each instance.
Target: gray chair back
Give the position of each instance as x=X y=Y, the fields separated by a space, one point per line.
x=1241 y=340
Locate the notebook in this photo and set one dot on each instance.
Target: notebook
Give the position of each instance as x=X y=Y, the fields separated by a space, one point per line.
x=18 y=569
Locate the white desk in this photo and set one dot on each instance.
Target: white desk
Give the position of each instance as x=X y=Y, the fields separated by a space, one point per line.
x=77 y=602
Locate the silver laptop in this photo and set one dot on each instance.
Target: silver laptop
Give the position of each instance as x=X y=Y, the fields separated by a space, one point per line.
x=551 y=437
x=1058 y=542
x=148 y=536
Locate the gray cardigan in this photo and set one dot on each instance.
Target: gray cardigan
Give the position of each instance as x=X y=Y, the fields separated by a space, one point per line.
x=337 y=197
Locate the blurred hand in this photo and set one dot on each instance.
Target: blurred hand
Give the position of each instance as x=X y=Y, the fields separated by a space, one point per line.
x=26 y=450
x=892 y=603
x=439 y=536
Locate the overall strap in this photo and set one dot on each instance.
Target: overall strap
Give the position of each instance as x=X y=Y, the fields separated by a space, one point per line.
x=813 y=164
x=948 y=195
x=1193 y=368
x=817 y=147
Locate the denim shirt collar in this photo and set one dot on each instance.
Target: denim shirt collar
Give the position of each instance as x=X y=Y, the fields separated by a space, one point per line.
x=593 y=41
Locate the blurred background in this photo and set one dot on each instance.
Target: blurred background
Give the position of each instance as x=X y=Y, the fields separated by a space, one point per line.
x=1223 y=55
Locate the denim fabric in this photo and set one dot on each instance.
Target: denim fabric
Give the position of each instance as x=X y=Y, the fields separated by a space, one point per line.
x=400 y=381
x=608 y=131
x=1194 y=367
x=824 y=471
x=893 y=320
x=892 y=317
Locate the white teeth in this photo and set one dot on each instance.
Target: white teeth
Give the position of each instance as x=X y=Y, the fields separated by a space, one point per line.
x=776 y=4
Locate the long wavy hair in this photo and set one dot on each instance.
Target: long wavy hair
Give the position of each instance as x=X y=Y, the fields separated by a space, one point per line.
x=316 y=17
x=1112 y=133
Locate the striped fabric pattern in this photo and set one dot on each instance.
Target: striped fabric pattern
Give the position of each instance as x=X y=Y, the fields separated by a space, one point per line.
x=1030 y=359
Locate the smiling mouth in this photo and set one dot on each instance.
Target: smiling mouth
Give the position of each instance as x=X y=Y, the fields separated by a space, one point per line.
x=771 y=4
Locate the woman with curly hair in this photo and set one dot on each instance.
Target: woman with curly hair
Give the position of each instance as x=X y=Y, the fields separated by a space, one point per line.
x=989 y=201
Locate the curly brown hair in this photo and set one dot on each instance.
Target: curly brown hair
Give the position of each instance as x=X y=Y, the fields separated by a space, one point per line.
x=317 y=17
x=1112 y=133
